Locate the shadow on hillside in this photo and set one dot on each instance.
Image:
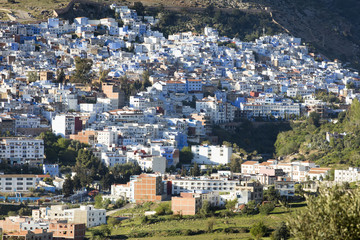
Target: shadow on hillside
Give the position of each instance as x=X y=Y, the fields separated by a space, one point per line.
x=119 y=237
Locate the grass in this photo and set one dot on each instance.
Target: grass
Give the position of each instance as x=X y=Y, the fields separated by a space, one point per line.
x=168 y=226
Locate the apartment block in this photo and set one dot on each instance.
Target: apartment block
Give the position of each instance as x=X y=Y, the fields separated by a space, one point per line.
x=38 y=234
x=65 y=125
x=64 y=231
x=22 y=151
x=186 y=204
x=348 y=175
x=87 y=215
x=19 y=182
x=203 y=185
x=211 y=154
x=285 y=187
x=148 y=188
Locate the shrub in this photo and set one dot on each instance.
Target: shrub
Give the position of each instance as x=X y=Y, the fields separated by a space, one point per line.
x=266 y=208
x=164 y=209
x=281 y=233
x=210 y=224
x=333 y=214
x=258 y=230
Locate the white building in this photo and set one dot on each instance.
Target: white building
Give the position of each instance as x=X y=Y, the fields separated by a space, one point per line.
x=349 y=175
x=205 y=154
x=217 y=110
x=270 y=109
x=22 y=150
x=88 y=215
x=107 y=137
x=64 y=125
x=154 y=163
x=110 y=159
x=18 y=182
x=121 y=191
x=27 y=121
x=203 y=185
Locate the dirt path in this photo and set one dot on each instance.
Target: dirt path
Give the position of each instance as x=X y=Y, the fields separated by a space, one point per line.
x=274 y=21
x=17 y=15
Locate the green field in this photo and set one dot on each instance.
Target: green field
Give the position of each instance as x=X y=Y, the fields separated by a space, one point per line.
x=168 y=227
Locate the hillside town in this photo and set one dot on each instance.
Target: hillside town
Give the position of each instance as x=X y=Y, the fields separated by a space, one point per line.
x=123 y=92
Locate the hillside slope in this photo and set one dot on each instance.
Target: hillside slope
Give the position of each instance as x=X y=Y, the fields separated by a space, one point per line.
x=332 y=27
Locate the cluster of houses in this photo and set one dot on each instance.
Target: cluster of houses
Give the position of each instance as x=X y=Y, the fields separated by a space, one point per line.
x=197 y=81
x=56 y=222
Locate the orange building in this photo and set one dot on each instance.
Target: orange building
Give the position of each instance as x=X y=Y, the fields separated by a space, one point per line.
x=186 y=204
x=148 y=188
x=63 y=231
x=87 y=137
x=112 y=91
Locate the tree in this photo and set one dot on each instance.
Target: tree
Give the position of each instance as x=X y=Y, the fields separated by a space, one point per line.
x=145 y=80
x=49 y=181
x=26 y=211
x=333 y=214
x=266 y=208
x=235 y=164
x=60 y=76
x=314 y=119
x=68 y=186
x=82 y=70
x=163 y=209
x=98 y=201
x=76 y=182
x=122 y=172
x=186 y=155
x=101 y=233
x=112 y=222
x=205 y=209
x=195 y=171
x=106 y=181
x=210 y=10
x=210 y=225
x=231 y=204
x=32 y=76
x=271 y=194
x=350 y=85
x=103 y=74
x=139 y=7
x=251 y=207
x=258 y=230
x=281 y=233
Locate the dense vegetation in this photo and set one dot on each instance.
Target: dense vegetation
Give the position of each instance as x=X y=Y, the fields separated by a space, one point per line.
x=75 y=156
x=309 y=139
x=336 y=208
x=253 y=136
x=236 y=23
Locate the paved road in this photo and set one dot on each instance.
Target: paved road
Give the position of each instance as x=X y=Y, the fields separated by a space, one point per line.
x=129 y=205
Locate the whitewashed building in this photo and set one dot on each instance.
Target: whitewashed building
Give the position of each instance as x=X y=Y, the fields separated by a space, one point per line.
x=211 y=154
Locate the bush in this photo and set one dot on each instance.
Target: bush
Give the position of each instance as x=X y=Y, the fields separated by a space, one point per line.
x=281 y=233
x=163 y=209
x=266 y=208
x=210 y=225
x=333 y=214
x=258 y=230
